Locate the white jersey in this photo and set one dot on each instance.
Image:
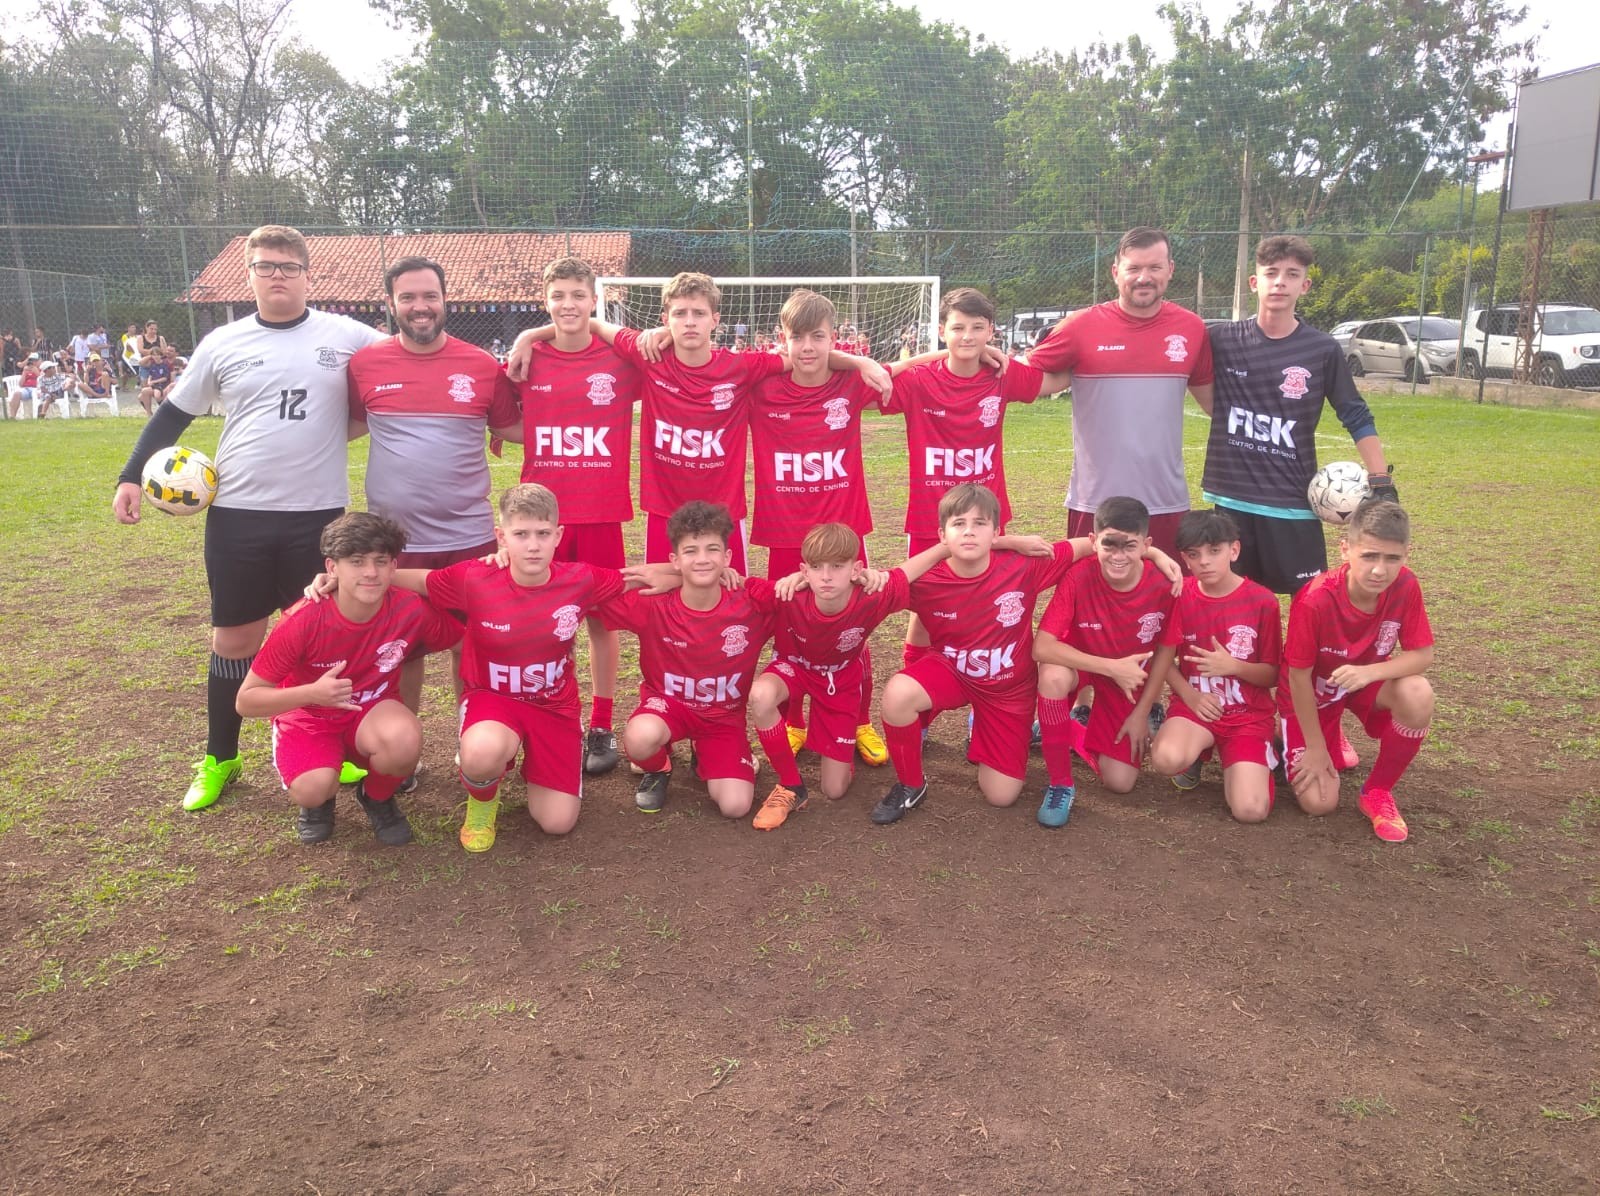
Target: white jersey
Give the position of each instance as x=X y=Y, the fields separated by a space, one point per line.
x=285 y=409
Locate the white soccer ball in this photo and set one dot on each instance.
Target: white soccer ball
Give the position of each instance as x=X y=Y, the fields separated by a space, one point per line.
x=1336 y=491
x=181 y=481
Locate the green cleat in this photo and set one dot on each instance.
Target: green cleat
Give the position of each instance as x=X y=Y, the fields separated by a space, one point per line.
x=349 y=774
x=211 y=776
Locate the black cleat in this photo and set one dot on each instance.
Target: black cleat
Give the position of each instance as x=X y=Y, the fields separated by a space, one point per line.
x=388 y=821
x=314 y=824
x=599 y=751
x=897 y=802
x=652 y=792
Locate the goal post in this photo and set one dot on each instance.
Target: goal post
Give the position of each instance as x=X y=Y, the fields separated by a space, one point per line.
x=890 y=310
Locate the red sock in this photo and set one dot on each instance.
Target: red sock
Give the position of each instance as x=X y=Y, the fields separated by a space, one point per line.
x=864 y=713
x=794 y=711
x=905 y=752
x=775 y=742
x=600 y=713
x=1397 y=748
x=660 y=762
x=912 y=654
x=1058 y=735
x=379 y=787
x=480 y=792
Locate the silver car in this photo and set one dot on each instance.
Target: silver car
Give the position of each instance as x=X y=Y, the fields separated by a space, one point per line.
x=1406 y=346
x=1341 y=333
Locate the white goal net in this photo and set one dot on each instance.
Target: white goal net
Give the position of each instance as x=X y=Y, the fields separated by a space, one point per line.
x=878 y=317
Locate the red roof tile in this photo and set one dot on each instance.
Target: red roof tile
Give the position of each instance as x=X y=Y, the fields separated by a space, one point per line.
x=478 y=267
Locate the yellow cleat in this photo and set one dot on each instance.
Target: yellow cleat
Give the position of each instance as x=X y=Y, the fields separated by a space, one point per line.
x=797 y=738
x=870 y=745
x=477 y=832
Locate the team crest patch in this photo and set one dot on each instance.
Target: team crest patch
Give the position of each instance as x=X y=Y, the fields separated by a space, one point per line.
x=1010 y=610
x=391 y=654
x=851 y=638
x=735 y=639
x=566 y=618
x=461 y=388
x=602 y=389
x=722 y=396
x=989 y=411
x=1177 y=348
x=655 y=705
x=836 y=413
x=1388 y=637
x=327 y=358
x=1241 y=642
x=1150 y=626
x=1295 y=380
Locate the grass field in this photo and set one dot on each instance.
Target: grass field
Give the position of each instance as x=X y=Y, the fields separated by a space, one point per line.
x=1153 y=999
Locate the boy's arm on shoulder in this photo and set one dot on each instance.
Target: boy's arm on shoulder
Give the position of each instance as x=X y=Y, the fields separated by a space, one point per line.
x=415 y=580
x=915 y=566
x=896 y=368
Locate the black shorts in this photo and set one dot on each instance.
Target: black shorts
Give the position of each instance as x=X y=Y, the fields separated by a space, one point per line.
x=1281 y=554
x=260 y=561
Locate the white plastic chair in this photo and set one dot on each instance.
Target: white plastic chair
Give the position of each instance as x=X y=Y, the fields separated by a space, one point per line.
x=65 y=404
x=12 y=383
x=85 y=397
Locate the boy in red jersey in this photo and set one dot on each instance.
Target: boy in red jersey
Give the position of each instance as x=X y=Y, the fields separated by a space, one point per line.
x=1102 y=627
x=328 y=678
x=698 y=651
x=1228 y=632
x=954 y=406
x=577 y=439
x=1340 y=653
x=978 y=609
x=695 y=415
x=805 y=435
x=820 y=650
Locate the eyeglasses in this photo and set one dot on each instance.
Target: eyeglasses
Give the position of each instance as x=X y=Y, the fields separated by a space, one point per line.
x=268 y=269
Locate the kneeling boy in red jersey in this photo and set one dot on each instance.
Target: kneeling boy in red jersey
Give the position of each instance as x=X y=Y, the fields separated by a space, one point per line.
x=1340 y=653
x=1102 y=628
x=821 y=651
x=1228 y=632
x=328 y=678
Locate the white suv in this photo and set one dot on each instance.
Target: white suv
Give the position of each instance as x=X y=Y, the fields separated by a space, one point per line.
x=1566 y=344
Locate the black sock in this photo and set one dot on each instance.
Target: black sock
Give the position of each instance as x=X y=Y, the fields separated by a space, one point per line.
x=222 y=720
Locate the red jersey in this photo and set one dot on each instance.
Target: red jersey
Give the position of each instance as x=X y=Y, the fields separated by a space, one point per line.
x=705 y=659
x=519 y=638
x=955 y=429
x=312 y=637
x=1247 y=623
x=693 y=425
x=1326 y=630
x=1088 y=614
x=807 y=446
x=577 y=430
x=984 y=625
x=828 y=644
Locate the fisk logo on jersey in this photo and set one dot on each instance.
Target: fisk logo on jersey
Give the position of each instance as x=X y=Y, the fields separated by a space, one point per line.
x=391 y=654
x=1177 y=348
x=958 y=463
x=1264 y=429
x=566 y=618
x=701 y=689
x=461 y=388
x=701 y=443
x=563 y=441
x=1241 y=641
x=1388 y=636
x=983 y=663
x=1226 y=690
x=809 y=467
x=527 y=679
x=602 y=389
x=989 y=411
x=836 y=413
x=1010 y=610
x=1150 y=625
x=735 y=639
x=1295 y=380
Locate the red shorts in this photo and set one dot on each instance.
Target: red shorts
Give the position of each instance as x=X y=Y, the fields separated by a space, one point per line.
x=446 y=558
x=1106 y=716
x=783 y=561
x=721 y=745
x=592 y=544
x=835 y=702
x=657 y=548
x=552 y=737
x=1001 y=723
x=1163 y=530
x=304 y=744
x=1363 y=704
x=1236 y=741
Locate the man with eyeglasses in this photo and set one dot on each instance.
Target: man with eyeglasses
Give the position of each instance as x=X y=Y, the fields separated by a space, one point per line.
x=282 y=468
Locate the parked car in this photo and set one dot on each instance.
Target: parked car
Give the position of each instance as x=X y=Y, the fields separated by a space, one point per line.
x=1027 y=328
x=1404 y=345
x=1341 y=332
x=1566 y=344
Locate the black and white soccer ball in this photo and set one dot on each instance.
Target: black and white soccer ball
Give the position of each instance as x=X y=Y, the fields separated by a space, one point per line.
x=1336 y=491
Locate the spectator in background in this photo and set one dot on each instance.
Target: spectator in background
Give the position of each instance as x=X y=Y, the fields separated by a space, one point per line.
x=156 y=379
x=152 y=348
x=79 y=345
x=130 y=351
x=28 y=382
x=98 y=381
x=11 y=353
x=98 y=342
x=42 y=345
x=54 y=385
x=497 y=350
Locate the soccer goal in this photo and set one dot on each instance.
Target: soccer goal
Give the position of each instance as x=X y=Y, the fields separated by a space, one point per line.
x=890 y=312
